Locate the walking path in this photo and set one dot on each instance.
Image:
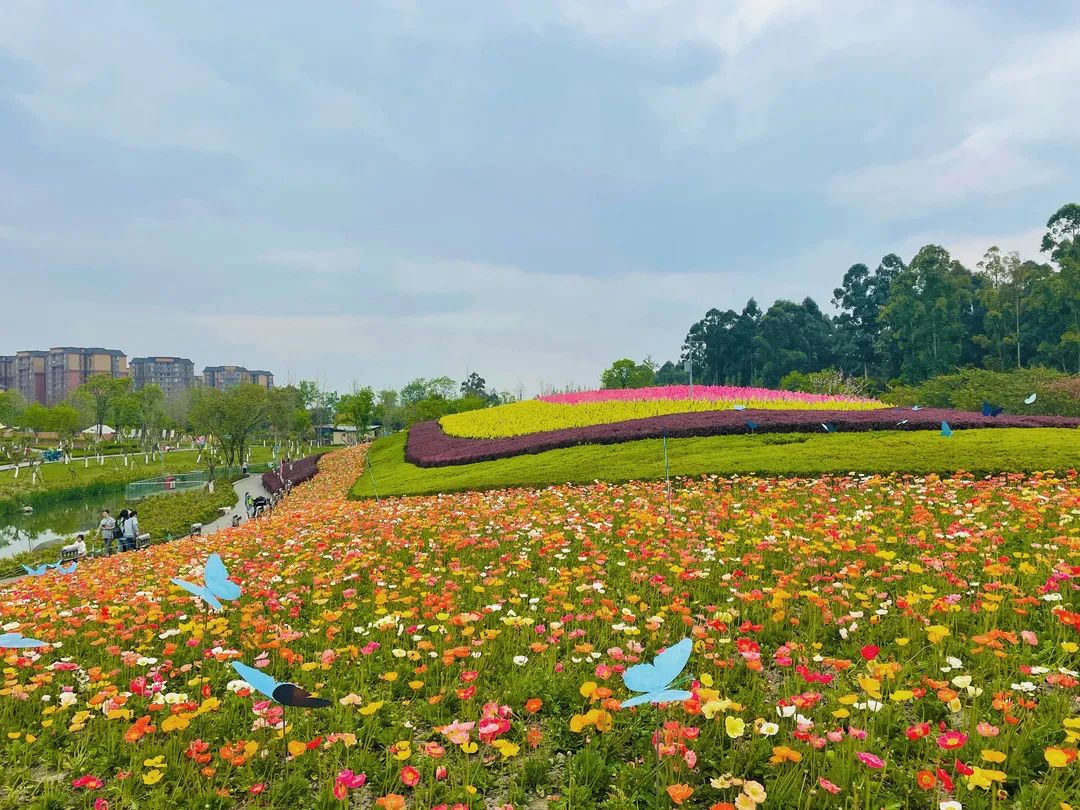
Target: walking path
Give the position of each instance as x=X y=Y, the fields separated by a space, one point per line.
x=252 y=484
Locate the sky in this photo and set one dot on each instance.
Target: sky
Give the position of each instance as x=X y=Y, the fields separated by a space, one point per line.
x=364 y=193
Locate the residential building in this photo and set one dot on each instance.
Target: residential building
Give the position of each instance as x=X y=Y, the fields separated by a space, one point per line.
x=171 y=374
x=30 y=368
x=222 y=377
x=68 y=367
x=7 y=371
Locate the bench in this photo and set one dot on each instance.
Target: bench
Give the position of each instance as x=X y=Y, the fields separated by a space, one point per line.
x=142 y=541
x=70 y=555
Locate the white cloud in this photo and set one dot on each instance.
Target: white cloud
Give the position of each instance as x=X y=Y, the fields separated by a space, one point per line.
x=338 y=261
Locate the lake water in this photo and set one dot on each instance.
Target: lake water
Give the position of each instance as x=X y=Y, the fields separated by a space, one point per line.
x=50 y=523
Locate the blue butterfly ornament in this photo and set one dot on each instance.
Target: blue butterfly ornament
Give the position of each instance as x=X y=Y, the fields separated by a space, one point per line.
x=656 y=679
x=11 y=641
x=217 y=584
x=287 y=694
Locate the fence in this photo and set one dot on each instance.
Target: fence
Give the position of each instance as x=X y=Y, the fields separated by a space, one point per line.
x=181 y=482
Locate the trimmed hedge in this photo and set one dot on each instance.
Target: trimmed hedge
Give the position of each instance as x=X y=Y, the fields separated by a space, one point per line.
x=429 y=446
x=299 y=471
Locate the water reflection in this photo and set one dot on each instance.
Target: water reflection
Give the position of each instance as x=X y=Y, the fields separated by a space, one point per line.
x=48 y=524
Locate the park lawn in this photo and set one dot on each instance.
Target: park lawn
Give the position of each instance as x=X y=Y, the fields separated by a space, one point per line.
x=920 y=452
x=62 y=481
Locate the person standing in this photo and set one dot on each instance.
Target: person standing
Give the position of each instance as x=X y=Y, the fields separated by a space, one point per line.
x=131 y=531
x=107 y=530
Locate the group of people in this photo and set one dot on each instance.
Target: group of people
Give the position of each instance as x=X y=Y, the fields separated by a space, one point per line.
x=122 y=530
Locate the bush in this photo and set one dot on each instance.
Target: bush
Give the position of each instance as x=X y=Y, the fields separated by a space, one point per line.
x=1057 y=394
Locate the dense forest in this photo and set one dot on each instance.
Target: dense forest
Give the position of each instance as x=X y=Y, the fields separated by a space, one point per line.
x=903 y=323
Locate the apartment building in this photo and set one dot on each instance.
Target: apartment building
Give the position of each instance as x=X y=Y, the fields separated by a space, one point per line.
x=30 y=373
x=7 y=371
x=171 y=374
x=68 y=367
x=222 y=377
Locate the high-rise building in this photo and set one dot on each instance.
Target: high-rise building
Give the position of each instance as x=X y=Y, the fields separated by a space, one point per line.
x=70 y=366
x=7 y=371
x=30 y=372
x=170 y=374
x=222 y=377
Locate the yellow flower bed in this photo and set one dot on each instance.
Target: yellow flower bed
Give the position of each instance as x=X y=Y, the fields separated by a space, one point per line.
x=533 y=416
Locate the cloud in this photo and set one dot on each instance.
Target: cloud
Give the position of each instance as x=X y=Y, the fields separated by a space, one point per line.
x=337 y=261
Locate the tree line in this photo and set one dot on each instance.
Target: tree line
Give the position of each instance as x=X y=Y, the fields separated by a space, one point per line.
x=898 y=323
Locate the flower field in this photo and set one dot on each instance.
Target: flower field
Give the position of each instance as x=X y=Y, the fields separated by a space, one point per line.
x=857 y=641
x=588 y=408
x=429 y=445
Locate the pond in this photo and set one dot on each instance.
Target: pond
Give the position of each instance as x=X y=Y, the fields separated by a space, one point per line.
x=53 y=522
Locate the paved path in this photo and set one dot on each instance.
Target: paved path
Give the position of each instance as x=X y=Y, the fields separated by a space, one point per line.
x=252 y=484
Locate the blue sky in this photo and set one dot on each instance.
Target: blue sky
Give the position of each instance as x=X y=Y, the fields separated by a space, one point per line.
x=368 y=192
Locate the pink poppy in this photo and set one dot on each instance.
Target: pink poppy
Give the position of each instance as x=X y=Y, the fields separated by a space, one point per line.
x=870 y=760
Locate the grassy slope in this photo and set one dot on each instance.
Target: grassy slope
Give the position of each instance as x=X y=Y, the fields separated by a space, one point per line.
x=978 y=451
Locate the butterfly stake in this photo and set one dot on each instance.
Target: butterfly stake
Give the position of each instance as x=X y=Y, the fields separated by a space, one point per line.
x=216 y=586
x=12 y=641
x=656 y=681
x=991 y=410
x=1031 y=399
x=751 y=425
x=287 y=694
x=829 y=427
x=946 y=431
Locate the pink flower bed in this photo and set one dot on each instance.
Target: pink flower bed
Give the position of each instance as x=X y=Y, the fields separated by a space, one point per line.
x=720 y=393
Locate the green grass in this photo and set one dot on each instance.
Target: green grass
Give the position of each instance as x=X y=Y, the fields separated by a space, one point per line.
x=64 y=481
x=977 y=451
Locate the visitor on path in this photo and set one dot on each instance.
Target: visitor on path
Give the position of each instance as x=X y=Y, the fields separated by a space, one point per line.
x=244 y=467
x=131 y=531
x=107 y=530
x=79 y=546
x=249 y=505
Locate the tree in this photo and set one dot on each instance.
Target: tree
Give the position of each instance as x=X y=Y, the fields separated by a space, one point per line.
x=474 y=386
x=37 y=417
x=282 y=408
x=626 y=373
x=11 y=406
x=65 y=420
x=356 y=409
x=1062 y=242
x=793 y=337
x=387 y=412
x=414 y=391
x=232 y=416
x=101 y=392
x=860 y=298
x=149 y=414
x=926 y=317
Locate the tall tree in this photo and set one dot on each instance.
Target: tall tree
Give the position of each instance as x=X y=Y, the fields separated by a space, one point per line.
x=357 y=409
x=101 y=392
x=232 y=416
x=793 y=337
x=860 y=298
x=474 y=386
x=927 y=314
x=1062 y=242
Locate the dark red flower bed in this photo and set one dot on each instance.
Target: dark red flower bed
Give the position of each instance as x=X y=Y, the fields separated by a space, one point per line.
x=298 y=472
x=428 y=446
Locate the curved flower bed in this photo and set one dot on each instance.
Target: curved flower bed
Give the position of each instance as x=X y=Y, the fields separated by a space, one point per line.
x=298 y=472
x=429 y=446
x=712 y=393
x=603 y=407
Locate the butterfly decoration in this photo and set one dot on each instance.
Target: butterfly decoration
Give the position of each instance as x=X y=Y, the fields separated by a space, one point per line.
x=13 y=641
x=217 y=584
x=37 y=571
x=1031 y=400
x=902 y=422
x=990 y=410
x=739 y=407
x=752 y=425
x=656 y=679
x=945 y=429
x=829 y=427
x=916 y=407
x=287 y=694
x=69 y=569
